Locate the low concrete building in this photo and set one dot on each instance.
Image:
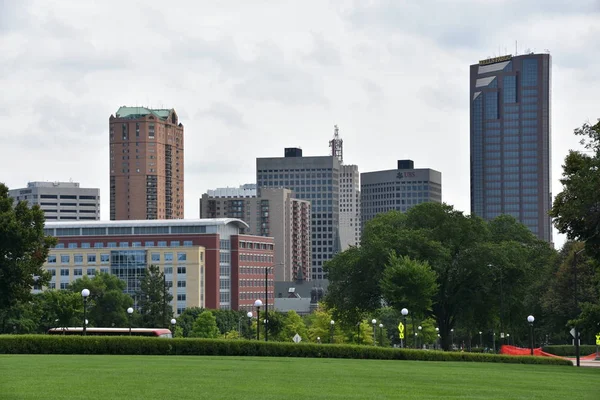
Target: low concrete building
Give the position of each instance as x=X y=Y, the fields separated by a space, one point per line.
x=61 y=201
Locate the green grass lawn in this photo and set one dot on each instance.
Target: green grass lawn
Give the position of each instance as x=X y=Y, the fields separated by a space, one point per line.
x=178 y=378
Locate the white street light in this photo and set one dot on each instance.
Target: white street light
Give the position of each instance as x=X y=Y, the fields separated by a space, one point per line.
x=85 y=293
x=404 y=312
x=130 y=311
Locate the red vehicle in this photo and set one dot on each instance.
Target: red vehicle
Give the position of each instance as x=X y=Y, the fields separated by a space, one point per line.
x=156 y=332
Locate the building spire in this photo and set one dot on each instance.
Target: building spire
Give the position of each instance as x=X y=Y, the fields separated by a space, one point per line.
x=337 y=145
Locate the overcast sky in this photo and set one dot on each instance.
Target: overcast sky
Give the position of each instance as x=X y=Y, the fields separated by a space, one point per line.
x=249 y=78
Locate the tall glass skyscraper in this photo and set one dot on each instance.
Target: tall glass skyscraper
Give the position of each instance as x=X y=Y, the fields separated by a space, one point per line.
x=510 y=140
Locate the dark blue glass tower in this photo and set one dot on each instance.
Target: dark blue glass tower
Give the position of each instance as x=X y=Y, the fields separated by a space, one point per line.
x=510 y=140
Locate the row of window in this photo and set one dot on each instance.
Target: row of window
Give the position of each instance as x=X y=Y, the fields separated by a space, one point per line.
x=105 y=258
x=101 y=245
x=78 y=271
x=254 y=245
x=78 y=258
x=122 y=230
x=181 y=269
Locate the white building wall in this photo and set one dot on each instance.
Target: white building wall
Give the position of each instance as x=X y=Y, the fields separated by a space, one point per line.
x=349 y=206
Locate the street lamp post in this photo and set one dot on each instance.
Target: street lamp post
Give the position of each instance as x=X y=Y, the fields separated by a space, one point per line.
x=266 y=302
x=374 y=322
x=494 y=341
x=508 y=339
x=258 y=303
x=576 y=329
x=381 y=335
x=249 y=315
x=530 y=319
x=85 y=293
x=437 y=340
x=480 y=339
x=130 y=312
x=404 y=313
x=173 y=323
x=420 y=328
x=331 y=324
x=452 y=338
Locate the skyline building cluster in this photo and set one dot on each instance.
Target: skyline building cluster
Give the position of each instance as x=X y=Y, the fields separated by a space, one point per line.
x=307 y=208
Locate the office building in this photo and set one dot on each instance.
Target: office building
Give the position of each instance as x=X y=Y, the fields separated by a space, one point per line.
x=207 y=263
x=349 y=195
x=510 y=140
x=146 y=164
x=398 y=189
x=350 y=209
x=61 y=200
x=272 y=212
x=315 y=179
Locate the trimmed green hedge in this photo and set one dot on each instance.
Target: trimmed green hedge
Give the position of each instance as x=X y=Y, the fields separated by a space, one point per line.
x=45 y=344
x=569 y=350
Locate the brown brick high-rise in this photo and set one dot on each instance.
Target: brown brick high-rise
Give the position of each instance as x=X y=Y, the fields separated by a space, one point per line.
x=146 y=164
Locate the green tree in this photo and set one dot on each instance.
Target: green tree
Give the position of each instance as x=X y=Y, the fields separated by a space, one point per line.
x=23 y=250
x=228 y=320
x=576 y=210
x=25 y=317
x=319 y=326
x=155 y=299
x=107 y=304
x=205 y=326
x=559 y=301
x=187 y=318
x=233 y=334
x=409 y=283
x=60 y=308
x=292 y=325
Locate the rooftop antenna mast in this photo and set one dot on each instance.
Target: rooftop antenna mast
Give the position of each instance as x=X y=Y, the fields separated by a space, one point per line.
x=337 y=145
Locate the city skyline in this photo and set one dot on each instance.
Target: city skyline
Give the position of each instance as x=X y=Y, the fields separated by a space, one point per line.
x=247 y=83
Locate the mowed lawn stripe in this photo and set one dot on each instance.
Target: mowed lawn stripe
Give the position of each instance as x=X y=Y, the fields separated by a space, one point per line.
x=24 y=377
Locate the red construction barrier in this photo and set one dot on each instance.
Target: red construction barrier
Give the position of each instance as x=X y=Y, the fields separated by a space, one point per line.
x=519 y=351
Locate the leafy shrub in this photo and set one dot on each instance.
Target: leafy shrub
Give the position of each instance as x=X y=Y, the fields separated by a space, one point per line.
x=569 y=350
x=46 y=344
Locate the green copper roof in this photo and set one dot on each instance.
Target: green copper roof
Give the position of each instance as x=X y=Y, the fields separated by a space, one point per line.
x=137 y=112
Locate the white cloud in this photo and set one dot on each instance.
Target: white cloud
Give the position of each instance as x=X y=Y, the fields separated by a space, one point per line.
x=250 y=78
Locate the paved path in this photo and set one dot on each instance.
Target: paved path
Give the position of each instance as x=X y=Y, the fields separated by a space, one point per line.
x=586 y=363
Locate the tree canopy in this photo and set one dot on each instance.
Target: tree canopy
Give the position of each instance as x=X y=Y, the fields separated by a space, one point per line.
x=205 y=326
x=107 y=303
x=469 y=258
x=154 y=299
x=576 y=210
x=23 y=251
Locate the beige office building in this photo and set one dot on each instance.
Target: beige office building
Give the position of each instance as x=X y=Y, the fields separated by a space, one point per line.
x=271 y=212
x=146 y=164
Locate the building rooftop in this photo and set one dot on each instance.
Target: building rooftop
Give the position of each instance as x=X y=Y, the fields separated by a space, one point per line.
x=152 y=222
x=232 y=192
x=53 y=184
x=138 y=112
